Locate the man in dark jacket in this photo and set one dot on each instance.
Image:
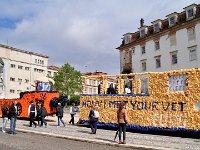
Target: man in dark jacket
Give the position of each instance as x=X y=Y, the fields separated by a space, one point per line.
x=59 y=113
x=13 y=113
x=111 y=89
x=32 y=112
x=43 y=114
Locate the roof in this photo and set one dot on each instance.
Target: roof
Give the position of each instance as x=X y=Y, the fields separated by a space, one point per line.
x=53 y=68
x=23 y=51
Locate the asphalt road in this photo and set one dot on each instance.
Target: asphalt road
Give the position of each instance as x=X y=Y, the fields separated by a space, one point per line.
x=31 y=141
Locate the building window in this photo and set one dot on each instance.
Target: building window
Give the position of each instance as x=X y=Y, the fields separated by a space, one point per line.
x=20 y=67
x=174 y=58
x=177 y=83
x=26 y=81
x=12 y=79
x=157 y=45
x=156 y=27
x=142 y=33
x=19 y=80
x=12 y=91
x=143 y=64
x=145 y=86
x=36 y=61
x=54 y=74
x=143 y=49
x=193 y=53
x=172 y=21
x=191 y=34
x=158 y=61
x=190 y=13
x=133 y=50
x=12 y=65
x=27 y=68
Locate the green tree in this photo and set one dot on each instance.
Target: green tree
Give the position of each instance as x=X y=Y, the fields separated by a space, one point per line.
x=67 y=80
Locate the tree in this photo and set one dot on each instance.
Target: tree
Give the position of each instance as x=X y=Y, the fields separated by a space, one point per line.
x=67 y=80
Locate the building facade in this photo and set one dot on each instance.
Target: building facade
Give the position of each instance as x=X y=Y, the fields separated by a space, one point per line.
x=19 y=69
x=169 y=44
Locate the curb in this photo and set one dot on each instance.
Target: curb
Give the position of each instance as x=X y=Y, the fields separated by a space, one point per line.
x=95 y=141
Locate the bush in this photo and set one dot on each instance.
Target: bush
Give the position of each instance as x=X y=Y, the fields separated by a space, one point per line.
x=74 y=99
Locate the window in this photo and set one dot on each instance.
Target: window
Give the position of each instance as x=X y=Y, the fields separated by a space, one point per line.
x=20 y=67
x=12 y=65
x=177 y=83
x=49 y=73
x=193 y=53
x=35 y=60
x=20 y=80
x=158 y=61
x=142 y=33
x=191 y=34
x=156 y=27
x=12 y=79
x=174 y=58
x=12 y=91
x=127 y=39
x=133 y=50
x=143 y=64
x=26 y=81
x=145 y=86
x=27 y=68
x=190 y=13
x=157 y=45
x=172 y=21
x=143 y=49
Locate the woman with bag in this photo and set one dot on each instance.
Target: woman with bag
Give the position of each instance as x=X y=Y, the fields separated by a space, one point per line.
x=122 y=119
x=93 y=119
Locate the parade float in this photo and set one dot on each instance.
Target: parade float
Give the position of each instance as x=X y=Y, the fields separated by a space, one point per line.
x=157 y=100
x=42 y=94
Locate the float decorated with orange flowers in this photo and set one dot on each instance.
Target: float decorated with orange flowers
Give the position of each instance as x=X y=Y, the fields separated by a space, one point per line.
x=42 y=94
x=154 y=100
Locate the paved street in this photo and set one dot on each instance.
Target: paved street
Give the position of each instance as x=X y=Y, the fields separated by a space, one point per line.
x=30 y=141
x=105 y=137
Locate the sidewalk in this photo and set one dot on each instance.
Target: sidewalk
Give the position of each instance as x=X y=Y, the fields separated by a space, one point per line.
x=134 y=140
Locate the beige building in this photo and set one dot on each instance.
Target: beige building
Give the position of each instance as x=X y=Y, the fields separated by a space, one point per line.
x=19 y=69
x=167 y=44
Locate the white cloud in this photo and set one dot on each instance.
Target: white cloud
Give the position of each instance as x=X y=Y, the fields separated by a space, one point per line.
x=83 y=33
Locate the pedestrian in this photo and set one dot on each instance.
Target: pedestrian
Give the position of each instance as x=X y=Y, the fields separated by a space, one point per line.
x=13 y=113
x=59 y=114
x=43 y=114
x=38 y=117
x=72 y=111
x=111 y=89
x=32 y=113
x=5 y=113
x=122 y=119
x=93 y=119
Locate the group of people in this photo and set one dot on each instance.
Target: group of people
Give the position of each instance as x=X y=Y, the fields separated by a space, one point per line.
x=122 y=119
x=10 y=113
x=39 y=112
x=59 y=114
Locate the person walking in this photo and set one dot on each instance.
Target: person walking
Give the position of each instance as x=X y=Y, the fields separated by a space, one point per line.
x=38 y=117
x=93 y=119
x=59 y=114
x=32 y=113
x=122 y=119
x=72 y=111
x=13 y=113
x=43 y=114
x=5 y=113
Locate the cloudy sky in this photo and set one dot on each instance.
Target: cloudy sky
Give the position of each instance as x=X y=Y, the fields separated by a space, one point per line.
x=83 y=33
